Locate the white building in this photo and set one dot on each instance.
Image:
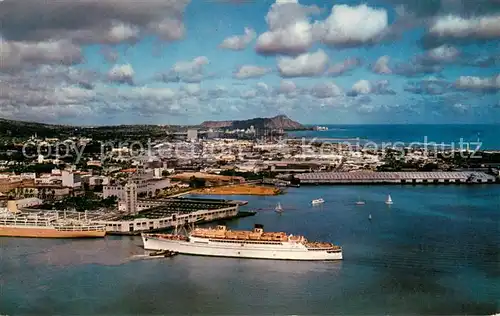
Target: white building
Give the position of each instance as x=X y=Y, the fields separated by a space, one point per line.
x=95 y=180
x=129 y=202
x=57 y=177
x=70 y=179
x=192 y=135
x=28 y=175
x=157 y=173
x=146 y=184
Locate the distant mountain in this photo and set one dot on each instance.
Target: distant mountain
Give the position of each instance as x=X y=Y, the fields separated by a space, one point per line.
x=272 y=123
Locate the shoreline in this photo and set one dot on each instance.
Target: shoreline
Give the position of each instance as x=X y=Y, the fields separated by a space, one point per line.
x=239 y=189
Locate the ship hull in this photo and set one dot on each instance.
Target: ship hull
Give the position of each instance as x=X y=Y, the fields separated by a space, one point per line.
x=240 y=250
x=48 y=233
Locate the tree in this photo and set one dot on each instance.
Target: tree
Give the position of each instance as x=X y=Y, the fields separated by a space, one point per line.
x=86 y=186
x=195 y=182
x=429 y=167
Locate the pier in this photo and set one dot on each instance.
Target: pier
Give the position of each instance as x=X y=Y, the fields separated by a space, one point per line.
x=168 y=213
x=370 y=177
x=159 y=214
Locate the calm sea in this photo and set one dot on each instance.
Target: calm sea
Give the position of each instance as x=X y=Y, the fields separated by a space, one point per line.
x=447 y=134
x=434 y=252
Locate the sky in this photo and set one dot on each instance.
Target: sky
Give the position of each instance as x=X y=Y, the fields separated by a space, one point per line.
x=107 y=62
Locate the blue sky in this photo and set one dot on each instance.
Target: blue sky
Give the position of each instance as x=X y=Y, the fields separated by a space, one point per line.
x=183 y=62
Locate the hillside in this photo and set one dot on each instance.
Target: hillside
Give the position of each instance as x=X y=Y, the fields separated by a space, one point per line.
x=273 y=123
x=21 y=129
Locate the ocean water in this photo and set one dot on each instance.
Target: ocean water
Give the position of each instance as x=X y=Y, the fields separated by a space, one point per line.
x=436 y=251
x=447 y=134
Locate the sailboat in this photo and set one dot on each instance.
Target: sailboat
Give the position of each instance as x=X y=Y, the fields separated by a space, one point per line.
x=278 y=208
x=360 y=202
x=389 y=200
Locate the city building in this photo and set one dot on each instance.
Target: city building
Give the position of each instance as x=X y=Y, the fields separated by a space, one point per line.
x=128 y=204
x=148 y=184
x=192 y=135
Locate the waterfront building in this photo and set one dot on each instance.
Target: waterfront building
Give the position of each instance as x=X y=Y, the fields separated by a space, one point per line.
x=192 y=135
x=368 y=177
x=168 y=213
x=129 y=203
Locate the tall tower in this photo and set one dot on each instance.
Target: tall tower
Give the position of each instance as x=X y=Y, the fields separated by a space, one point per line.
x=131 y=198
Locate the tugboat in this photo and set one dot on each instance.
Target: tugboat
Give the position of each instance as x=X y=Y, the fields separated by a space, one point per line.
x=163 y=253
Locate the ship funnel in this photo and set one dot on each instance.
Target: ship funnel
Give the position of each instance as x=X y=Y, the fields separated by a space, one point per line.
x=258 y=228
x=12 y=206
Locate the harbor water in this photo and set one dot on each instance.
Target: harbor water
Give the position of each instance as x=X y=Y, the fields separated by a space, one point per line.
x=450 y=135
x=435 y=251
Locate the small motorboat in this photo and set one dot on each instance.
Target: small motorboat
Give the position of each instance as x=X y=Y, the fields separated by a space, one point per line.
x=317 y=201
x=360 y=202
x=163 y=253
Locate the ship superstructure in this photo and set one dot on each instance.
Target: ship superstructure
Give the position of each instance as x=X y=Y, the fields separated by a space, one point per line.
x=257 y=244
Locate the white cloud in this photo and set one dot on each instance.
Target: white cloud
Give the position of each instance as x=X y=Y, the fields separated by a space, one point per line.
x=353 y=26
x=153 y=93
x=249 y=94
x=304 y=65
x=15 y=55
x=343 y=67
x=250 y=71
x=191 y=71
x=478 y=83
x=121 y=32
x=168 y=29
x=362 y=87
x=103 y=21
x=441 y=54
x=326 y=90
x=290 y=31
x=190 y=66
x=287 y=87
x=192 y=88
x=450 y=26
x=262 y=86
x=381 y=66
x=239 y=42
x=122 y=74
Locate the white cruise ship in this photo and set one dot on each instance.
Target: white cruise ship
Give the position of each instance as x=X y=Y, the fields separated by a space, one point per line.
x=255 y=244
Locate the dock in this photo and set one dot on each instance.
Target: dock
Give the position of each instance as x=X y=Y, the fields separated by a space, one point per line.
x=371 y=177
